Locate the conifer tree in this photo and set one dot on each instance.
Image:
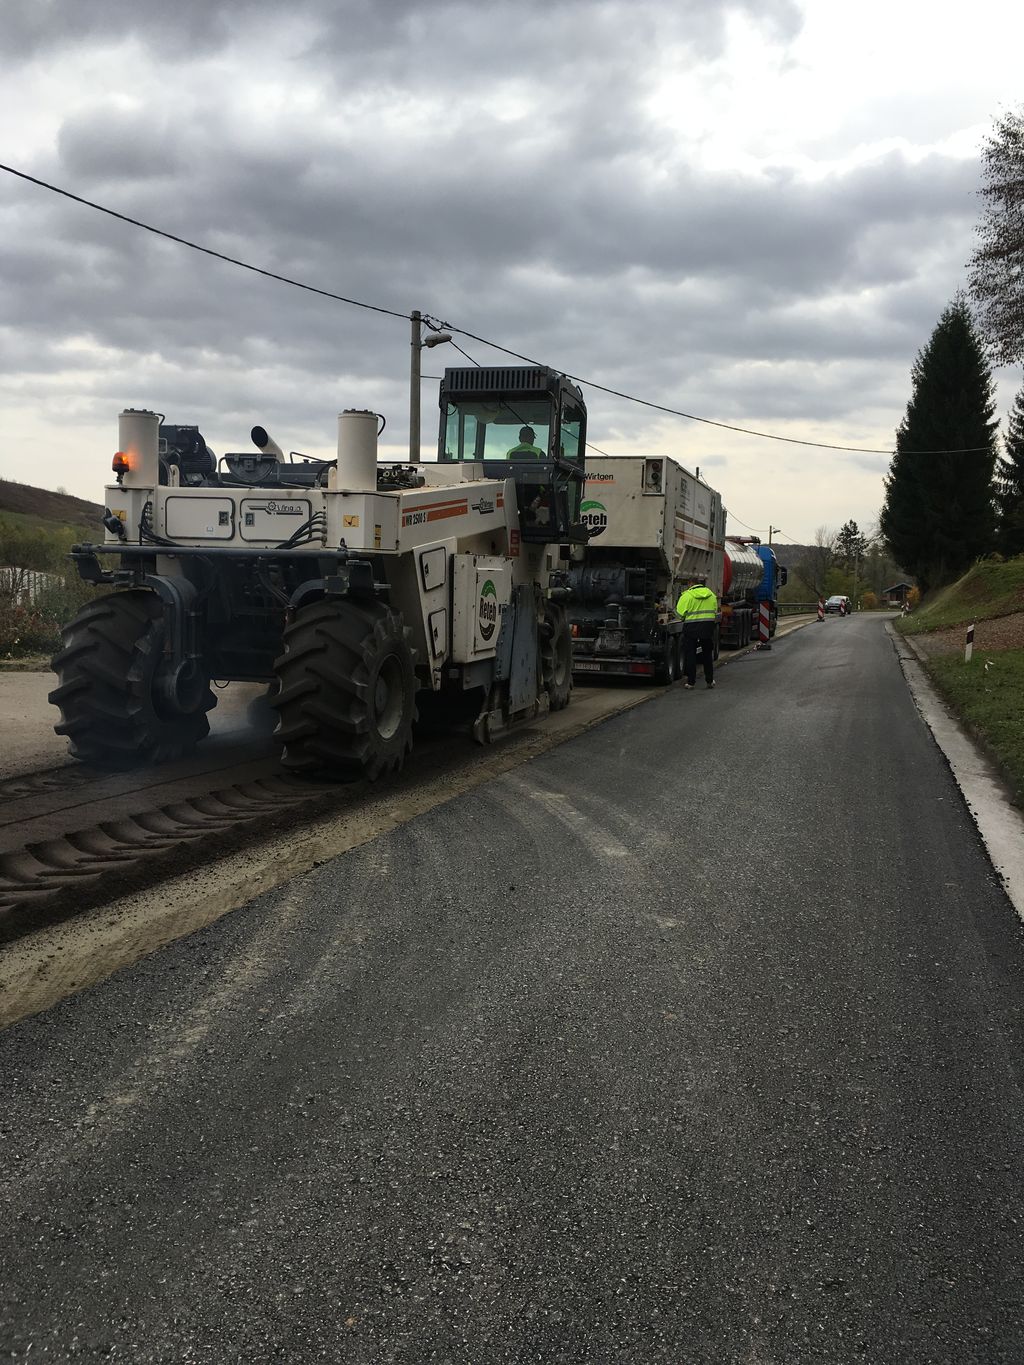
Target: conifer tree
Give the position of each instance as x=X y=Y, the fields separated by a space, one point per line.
x=1010 y=483
x=850 y=545
x=939 y=510
x=997 y=266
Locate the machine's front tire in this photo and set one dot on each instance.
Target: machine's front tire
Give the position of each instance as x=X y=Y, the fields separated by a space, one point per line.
x=347 y=696
x=111 y=710
x=556 y=656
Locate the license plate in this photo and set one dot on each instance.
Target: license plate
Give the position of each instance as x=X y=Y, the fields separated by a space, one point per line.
x=585 y=666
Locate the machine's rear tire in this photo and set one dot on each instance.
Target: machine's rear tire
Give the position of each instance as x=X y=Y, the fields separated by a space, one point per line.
x=110 y=708
x=556 y=656
x=347 y=697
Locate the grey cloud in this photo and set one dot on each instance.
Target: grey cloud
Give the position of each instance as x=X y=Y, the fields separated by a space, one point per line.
x=572 y=232
x=403 y=35
x=109 y=143
x=33 y=27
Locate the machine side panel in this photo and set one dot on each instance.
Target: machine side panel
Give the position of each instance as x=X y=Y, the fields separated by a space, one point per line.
x=364 y=521
x=460 y=510
x=421 y=589
x=481 y=591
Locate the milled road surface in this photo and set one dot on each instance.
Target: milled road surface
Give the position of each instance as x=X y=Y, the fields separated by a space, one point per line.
x=697 y=1039
x=28 y=720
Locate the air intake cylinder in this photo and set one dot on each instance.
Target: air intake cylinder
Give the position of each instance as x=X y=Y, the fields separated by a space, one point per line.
x=357 y=451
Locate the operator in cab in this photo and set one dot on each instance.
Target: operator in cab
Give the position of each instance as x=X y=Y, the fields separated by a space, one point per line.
x=527 y=447
x=698 y=607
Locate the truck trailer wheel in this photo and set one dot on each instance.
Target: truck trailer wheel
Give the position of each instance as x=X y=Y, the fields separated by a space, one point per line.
x=668 y=669
x=556 y=656
x=347 y=697
x=112 y=711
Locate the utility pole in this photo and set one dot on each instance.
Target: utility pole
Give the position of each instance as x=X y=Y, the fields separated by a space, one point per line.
x=417 y=344
x=856 y=561
x=414 y=387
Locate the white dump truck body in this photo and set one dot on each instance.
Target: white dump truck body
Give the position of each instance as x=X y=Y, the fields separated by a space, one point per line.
x=653 y=524
x=652 y=505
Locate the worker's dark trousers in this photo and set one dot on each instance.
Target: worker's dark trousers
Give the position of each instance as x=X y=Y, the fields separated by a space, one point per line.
x=702 y=633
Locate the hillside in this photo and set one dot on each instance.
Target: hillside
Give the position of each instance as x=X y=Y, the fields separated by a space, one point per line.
x=41 y=507
x=990 y=589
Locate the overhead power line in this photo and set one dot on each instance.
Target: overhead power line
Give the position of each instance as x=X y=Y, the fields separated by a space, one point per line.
x=504 y=350
x=195 y=246
x=754 y=530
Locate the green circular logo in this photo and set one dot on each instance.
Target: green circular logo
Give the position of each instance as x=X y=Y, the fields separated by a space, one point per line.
x=487 y=612
x=594 y=515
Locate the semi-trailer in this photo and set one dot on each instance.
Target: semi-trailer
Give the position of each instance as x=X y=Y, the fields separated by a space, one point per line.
x=654 y=524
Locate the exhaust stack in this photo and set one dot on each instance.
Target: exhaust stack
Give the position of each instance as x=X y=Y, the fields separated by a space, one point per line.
x=263 y=441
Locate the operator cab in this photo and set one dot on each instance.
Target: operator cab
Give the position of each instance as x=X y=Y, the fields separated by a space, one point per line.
x=527 y=424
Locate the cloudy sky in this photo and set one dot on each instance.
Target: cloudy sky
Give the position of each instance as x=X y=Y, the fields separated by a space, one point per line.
x=753 y=211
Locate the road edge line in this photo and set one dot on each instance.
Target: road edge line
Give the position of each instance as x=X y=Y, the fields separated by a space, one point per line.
x=999 y=823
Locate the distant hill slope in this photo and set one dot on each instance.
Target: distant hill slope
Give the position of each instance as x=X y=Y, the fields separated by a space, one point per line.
x=24 y=504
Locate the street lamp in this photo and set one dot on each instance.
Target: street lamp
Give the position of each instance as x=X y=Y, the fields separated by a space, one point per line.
x=418 y=344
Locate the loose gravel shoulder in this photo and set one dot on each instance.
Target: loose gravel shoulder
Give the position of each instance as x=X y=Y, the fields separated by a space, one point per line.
x=1002 y=632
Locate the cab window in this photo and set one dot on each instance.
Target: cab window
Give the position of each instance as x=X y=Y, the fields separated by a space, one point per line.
x=497 y=431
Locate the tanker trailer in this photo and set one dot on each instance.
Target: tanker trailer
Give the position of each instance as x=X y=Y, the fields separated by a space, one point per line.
x=751 y=575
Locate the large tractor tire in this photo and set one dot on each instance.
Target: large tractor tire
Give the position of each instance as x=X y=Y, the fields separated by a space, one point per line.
x=556 y=656
x=347 y=691
x=112 y=710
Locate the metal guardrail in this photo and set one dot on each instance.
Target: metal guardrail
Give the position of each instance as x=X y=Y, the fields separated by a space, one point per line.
x=797 y=608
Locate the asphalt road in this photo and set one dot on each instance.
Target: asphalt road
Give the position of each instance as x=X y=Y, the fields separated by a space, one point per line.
x=697 y=1039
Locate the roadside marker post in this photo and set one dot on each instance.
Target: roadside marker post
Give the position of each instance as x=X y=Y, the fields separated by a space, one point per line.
x=969 y=648
x=763 y=627
x=821 y=609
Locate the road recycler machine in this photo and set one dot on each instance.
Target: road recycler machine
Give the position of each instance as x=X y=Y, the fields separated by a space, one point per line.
x=352 y=587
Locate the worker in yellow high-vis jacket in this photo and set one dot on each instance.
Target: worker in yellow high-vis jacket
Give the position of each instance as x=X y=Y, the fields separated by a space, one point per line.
x=698 y=606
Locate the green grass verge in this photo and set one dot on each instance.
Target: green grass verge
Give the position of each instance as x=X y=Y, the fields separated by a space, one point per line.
x=988 y=589
x=27 y=521
x=991 y=702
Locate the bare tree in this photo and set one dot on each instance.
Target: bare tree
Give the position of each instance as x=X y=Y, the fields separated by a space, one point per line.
x=819 y=559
